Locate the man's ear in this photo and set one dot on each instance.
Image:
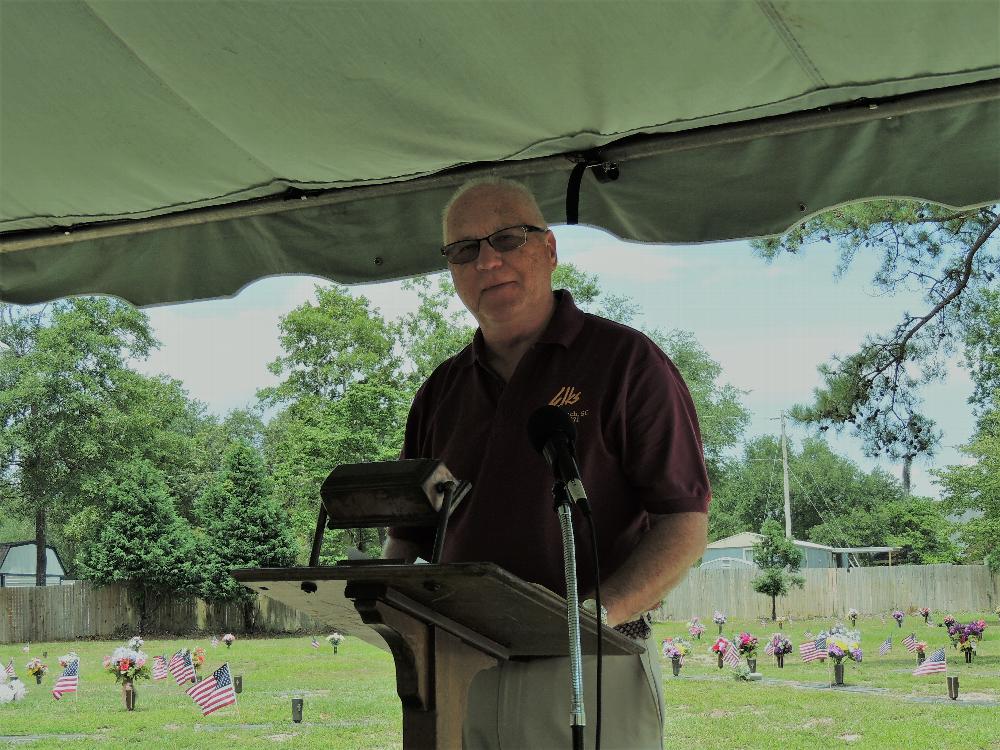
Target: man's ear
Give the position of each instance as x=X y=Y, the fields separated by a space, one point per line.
x=550 y=244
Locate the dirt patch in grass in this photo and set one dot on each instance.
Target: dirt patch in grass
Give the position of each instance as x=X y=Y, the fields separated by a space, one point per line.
x=849 y=737
x=822 y=721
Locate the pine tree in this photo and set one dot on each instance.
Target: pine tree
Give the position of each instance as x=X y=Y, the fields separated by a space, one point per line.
x=142 y=541
x=244 y=528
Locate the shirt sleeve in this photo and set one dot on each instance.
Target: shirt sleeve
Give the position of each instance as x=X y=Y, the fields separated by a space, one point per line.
x=414 y=442
x=662 y=452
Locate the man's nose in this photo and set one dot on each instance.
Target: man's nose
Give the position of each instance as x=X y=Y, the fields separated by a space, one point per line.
x=488 y=258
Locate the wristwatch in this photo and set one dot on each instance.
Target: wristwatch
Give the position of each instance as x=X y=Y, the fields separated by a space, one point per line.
x=589 y=605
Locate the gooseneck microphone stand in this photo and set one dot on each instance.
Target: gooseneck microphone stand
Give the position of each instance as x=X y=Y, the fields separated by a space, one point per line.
x=564 y=509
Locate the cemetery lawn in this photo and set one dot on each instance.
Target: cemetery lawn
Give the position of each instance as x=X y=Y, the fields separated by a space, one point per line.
x=351 y=703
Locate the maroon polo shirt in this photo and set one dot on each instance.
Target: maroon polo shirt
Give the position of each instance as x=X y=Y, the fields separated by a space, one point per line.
x=638 y=446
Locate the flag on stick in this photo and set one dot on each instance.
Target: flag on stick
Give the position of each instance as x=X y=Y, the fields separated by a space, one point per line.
x=159 y=668
x=936 y=662
x=910 y=642
x=9 y=669
x=769 y=648
x=214 y=692
x=732 y=657
x=886 y=646
x=813 y=650
x=68 y=680
x=181 y=667
x=315 y=643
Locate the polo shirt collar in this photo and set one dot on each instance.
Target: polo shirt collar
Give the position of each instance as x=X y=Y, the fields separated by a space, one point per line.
x=567 y=320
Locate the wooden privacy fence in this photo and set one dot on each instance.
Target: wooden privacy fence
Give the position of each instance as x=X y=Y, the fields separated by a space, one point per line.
x=830 y=592
x=85 y=610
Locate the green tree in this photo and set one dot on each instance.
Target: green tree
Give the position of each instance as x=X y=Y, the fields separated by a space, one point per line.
x=243 y=528
x=344 y=397
x=975 y=489
x=140 y=540
x=779 y=561
x=61 y=402
x=952 y=258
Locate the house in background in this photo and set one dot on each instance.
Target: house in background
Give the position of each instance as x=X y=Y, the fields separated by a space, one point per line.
x=17 y=565
x=736 y=551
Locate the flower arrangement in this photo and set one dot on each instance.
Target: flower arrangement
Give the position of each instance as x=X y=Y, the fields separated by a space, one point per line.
x=334 y=640
x=852 y=615
x=742 y=672
x=35 y=667
x=720 y=646
x=718 y=618
x=949 y=621
x=996 y=610
x=134 y=643
x=676 y=648
x=127 y=665
x=695 y=628
x=925 y=612
x=781 y=621
x=898 y=616
x=747 y=645
x=198 y=657
x=781 y=644
x=921 y=648
x=965 y=634
x=228 y=639
x=66 y=659
x=843 y=644
x=11 y=690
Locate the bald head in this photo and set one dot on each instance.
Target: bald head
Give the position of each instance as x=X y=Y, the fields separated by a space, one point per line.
x=489 y=195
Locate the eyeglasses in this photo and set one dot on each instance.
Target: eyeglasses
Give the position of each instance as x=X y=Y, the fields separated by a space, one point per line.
x=503 y=241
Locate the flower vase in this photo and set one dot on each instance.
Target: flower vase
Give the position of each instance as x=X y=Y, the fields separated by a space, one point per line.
x=968 y=656
x=854 y=621
x=720 y=628
x=752 y=663
x=781 y=661
x=128 y=695
x=838 y=674
x=229 y=644
x=920 y=659
x=925 y=618
x=899 y=623
x=38 y=678
x=720 y=660
x=675 y=663
x=335 y=648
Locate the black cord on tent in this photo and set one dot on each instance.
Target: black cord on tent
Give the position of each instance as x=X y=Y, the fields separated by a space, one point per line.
x=604 y=171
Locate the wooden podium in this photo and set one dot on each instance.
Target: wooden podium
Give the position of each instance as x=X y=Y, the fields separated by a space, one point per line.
x=442 y=624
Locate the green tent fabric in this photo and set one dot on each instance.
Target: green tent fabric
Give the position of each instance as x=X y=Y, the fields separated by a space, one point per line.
x=164 y=151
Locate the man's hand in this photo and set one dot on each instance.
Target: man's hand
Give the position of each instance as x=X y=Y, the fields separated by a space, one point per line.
x=659 y=562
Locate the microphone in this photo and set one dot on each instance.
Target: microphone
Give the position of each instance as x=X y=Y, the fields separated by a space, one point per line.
x=552 y=433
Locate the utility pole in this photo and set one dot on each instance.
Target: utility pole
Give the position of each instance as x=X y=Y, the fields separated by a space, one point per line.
x=784 y=466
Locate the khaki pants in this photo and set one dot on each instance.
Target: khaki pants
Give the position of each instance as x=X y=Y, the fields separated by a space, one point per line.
x=526 y=704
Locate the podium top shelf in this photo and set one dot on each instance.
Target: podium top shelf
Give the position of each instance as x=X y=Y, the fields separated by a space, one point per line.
x=525 y=618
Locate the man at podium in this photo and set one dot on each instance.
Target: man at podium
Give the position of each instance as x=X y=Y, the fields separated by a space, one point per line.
x=638 y=448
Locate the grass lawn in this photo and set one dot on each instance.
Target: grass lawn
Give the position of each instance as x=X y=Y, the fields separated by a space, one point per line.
x=351 y=704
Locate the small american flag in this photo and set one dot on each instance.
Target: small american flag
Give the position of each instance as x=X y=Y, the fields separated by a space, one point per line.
x=732 y=657
x=886 y=646
x=159 y=668
x=769 y=648
x=910 y=642
x=68 y=680
x=214 y=692
x=215 y=641
x=936 y=662
x=315 y=643
x=9 y=669
x=813 y=650
x=181 y=667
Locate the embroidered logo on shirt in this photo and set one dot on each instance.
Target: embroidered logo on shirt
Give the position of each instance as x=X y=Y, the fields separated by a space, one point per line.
x=567 y=396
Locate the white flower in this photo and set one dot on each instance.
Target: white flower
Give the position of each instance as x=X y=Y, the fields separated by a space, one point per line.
x=135 y=643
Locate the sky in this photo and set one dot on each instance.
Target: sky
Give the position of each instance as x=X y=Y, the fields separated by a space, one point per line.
x=768 y=325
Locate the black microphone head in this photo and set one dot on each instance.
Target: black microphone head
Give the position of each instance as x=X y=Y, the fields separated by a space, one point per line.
x=547 y=421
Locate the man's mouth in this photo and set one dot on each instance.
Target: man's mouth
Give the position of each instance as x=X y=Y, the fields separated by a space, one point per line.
x=496 y=286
